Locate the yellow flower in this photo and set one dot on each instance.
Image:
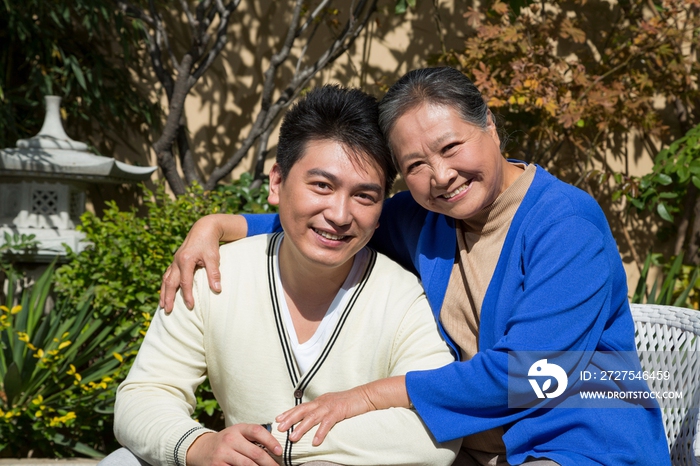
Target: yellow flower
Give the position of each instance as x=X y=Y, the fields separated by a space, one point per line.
x=72 y=370
x=118 y=357
x=64 y=344
x=23 y=337
x=38 y=400
x=4 y=309
x=39 y=353
x=15 y=309
x=58 y=420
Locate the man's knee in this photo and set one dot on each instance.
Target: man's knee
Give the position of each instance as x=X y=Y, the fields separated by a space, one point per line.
x=122 y=457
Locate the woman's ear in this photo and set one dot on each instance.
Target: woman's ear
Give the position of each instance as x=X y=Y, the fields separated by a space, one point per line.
x=492 y=130
x=275 y=183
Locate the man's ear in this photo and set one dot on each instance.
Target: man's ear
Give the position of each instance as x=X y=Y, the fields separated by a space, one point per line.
x=275 y=183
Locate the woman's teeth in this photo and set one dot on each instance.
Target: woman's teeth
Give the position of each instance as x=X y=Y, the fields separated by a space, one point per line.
x=452 y=194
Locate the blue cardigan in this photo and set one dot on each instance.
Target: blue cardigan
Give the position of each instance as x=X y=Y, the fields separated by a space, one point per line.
x=559 y=285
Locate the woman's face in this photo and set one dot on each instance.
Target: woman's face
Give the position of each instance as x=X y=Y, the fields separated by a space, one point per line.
x=451 y=167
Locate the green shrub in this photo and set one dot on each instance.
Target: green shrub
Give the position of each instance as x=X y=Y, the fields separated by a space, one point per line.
x=676 y=285
x=128 y=253
x=123 y=265
x=54 y=369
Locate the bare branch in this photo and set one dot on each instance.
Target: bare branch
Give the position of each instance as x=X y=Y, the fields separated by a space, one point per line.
x=151 y=44
x=280 y=57
x=187 y=161
x=166 y=162
x=311 y=17
x=438 y=26
x=262 y=153
x=134 y=12
x=194 y=24
x=339 y=46
x=161 y=35
x=304 y=49
x=221 y=38
x=269 y=112
x=177 y=104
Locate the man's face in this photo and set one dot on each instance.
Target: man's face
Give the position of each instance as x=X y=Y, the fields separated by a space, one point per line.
x=329 y=206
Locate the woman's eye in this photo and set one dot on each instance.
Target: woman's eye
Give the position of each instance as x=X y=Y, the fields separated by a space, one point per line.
x=413 y=166
x=448 y=147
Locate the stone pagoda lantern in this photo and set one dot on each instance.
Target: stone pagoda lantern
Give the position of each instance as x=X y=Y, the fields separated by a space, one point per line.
x=43 y=182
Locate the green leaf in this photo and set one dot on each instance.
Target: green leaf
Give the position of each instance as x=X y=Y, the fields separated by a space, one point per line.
x=637 y=203
x=400 y=7
x=696 y=181
x=12 y=384
x=78 y=447
x=78 y=73
x=663 y=179
x=663 y=212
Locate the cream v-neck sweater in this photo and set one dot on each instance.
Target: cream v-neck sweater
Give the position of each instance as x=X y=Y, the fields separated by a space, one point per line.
x=239 y=340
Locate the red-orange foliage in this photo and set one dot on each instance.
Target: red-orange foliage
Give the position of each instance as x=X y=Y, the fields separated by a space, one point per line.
x=572 y=79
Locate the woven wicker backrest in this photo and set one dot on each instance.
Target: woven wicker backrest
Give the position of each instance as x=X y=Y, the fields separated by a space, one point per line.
x=668 y=339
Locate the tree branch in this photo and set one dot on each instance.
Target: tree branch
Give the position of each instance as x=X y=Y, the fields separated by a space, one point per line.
x=270 y=112
x=221 y=38
x=262 y=153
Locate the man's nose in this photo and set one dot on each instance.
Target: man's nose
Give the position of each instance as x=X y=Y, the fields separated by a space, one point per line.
x=338 y=210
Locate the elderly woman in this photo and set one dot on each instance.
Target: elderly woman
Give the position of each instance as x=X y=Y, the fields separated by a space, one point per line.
x=514 y=263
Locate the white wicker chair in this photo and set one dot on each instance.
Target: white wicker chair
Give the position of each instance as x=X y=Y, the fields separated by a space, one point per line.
x=668 y=339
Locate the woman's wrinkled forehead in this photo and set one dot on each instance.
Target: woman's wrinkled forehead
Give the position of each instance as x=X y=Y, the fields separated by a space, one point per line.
x=427 y=107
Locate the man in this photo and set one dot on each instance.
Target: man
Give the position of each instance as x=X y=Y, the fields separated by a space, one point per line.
x=304 y=312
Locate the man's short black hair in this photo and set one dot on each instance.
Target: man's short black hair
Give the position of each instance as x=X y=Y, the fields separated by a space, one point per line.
x=347 y=116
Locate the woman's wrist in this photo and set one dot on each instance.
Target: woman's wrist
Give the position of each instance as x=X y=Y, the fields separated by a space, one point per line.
x=387 y=393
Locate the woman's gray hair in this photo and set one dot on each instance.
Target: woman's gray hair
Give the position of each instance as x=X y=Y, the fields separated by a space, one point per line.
x=442 y=86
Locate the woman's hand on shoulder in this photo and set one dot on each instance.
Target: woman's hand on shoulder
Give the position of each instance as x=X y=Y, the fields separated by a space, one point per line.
x=200 y=249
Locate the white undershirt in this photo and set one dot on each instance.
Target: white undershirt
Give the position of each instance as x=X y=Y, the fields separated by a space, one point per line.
x=306 y=353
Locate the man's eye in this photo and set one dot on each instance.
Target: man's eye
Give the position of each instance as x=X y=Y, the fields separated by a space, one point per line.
x=367 y=197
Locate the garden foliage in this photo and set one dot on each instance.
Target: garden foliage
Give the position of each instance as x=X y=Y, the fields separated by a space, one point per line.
x=75 y=49
x=60 y=370
x=577 y=84
x=55 y=368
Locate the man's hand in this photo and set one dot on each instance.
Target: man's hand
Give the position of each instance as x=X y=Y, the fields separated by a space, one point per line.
x=234 y=446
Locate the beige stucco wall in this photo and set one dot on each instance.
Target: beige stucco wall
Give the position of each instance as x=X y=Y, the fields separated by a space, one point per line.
x=221 y=107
